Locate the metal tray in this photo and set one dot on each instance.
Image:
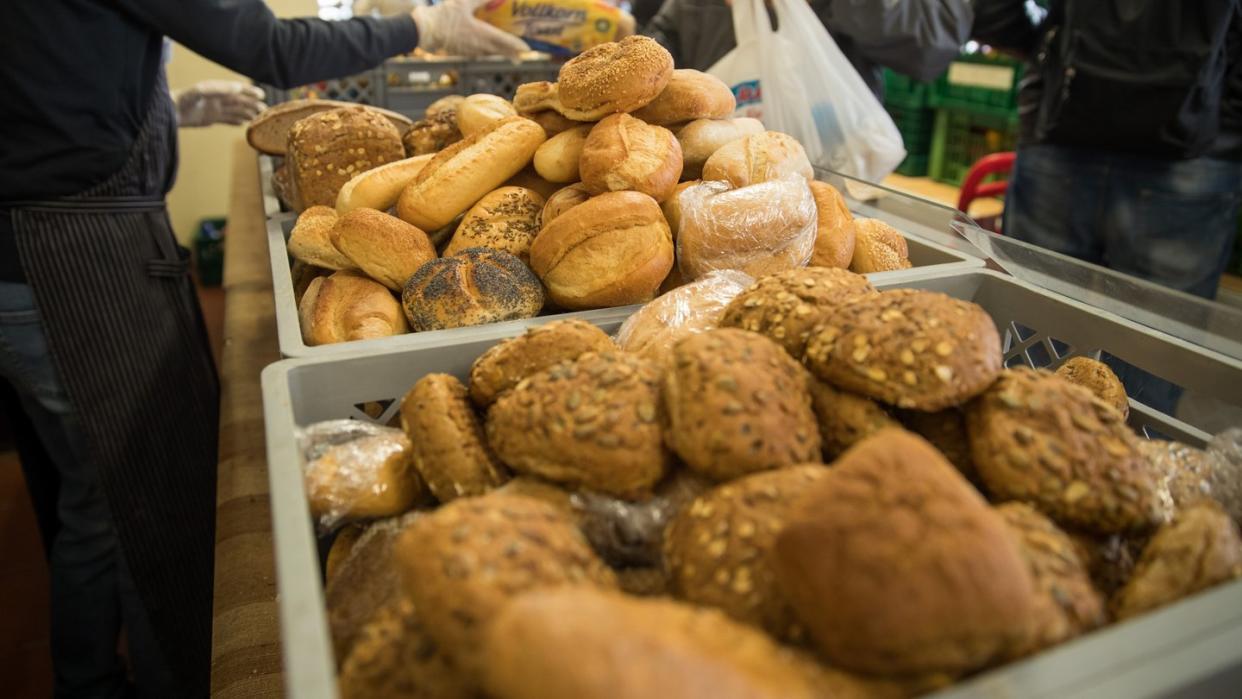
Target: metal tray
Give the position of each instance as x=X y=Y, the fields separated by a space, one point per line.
x=1192 y=646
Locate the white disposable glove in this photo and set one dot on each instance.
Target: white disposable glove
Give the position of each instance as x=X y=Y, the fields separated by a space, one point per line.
x=217 y=102
x=451 y=27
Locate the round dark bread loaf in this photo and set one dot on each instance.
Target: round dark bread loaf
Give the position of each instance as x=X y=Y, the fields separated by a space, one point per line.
x=476 y=286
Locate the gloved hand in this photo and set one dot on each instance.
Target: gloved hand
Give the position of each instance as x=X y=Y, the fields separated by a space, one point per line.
x=217 y=102
x=452 y=27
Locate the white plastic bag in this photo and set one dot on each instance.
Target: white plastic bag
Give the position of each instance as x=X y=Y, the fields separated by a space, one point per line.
x=796 y=80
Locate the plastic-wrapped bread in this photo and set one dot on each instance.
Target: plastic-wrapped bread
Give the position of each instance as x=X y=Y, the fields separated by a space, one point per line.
x=694 y=308
x=367 y=477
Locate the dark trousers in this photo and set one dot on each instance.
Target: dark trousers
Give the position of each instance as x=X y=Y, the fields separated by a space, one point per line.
x=93 y=596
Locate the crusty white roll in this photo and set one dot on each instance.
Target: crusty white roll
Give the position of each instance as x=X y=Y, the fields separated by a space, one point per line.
x=878 y=247
x=612 y=250
x=478 y=113
x=563 y=200
x=557 y=159
x=378 y=188
x=346 y=307
x=758 y=158
x=689 y=95
x=834 y=239
x=700 y=139
x=623 y=153
x=310 y=241
x=613 y=78
x=386 y=248
x=461 y=174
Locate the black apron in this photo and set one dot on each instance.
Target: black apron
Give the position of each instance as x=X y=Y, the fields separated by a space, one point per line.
x=126 y=335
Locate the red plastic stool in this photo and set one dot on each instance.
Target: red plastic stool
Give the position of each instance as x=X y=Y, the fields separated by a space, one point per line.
x=974 y=188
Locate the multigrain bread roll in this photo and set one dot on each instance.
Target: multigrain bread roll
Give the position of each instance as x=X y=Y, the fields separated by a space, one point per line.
x=1185 y=474
x=623 y=153
x=449 y=450
x=342 y=544
x=386 y=248
x=563 y=200
x=477 y=113
x=1199 y=549
x=505 y=364
x=269 y=132
x=946 y=430
x=845 y=418
x=788 y=306
x=717 y=549
x=921 y=350
x=346 y=307
x=506 y=219
x=433 y=134
x=395 y=658
x=834 y=238
x=589 y=644
x=612 y=250
x=594 y=422
x=737 y=404
x=614 y=78
x=327 y=149
x=310 y=241
x=761 y=157
x=761 y=229
x=655 y=328
x=368 y=581
x=365 y=478
x=379 y=188
x=701 y=138
x=473 y=287
x=878 y=247
x=463 y=173
x=449 y=103
x=1066 y=603
x=689 y=95
x=557 y=159
x=1095 y=376
x=1038 y=438
x=897 y=565
x=463 y=562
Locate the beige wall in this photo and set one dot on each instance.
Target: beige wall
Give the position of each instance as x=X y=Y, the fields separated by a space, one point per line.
x=202 y=188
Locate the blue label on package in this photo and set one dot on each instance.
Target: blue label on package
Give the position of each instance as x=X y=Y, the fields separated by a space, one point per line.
x=748 y=93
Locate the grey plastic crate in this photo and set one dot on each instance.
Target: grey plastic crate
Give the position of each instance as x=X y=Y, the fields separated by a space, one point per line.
x=1190 y=647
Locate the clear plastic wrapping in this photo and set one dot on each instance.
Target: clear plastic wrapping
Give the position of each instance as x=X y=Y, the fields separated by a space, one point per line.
x=357 y=471
x=760 y=229
x=684 y=311
x=630 y=534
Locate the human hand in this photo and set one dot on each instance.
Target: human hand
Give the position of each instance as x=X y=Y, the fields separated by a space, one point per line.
x=452 y=27
x=217 y=102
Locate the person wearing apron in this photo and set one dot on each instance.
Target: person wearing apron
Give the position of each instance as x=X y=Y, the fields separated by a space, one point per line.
x=102 y=345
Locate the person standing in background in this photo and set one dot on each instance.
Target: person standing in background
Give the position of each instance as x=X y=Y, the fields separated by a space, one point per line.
x=101 y=338
x=916 y=37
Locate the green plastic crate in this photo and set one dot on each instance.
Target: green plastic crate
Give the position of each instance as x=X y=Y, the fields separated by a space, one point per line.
x=905 y=92
x=981 y=83
x=961 y=138
x=916 y=126
x=914 y=165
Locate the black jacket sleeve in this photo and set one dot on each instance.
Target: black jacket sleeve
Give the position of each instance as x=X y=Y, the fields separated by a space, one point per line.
x=916 y=37
x=244 y=36
x=663 y=28
x=1005 y=24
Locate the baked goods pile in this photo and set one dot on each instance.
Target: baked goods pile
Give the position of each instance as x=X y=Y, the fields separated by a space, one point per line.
x=816 y=489
x=624 y=178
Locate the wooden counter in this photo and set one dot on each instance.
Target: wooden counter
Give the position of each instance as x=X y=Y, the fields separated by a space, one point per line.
x=245 y=657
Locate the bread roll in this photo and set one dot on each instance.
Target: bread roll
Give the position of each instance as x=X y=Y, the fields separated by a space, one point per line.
x=395 y=658
x=310 y=241
x=878 y=247
x=327 y=149
x=366 y=583
x=449 y=103
x=366 y=478
x=613 y=250
x=346 y=307
x=672 y=207
x=283 y=187
x=738 y=404
x=614 y=78
x=448 y=450
x=563 y=200
x=845 y=418
x=386 y=248
x=1097 y=377
x=473 y=287
x=694 y=308
x=623 y=153
x=302 y=275
x=557 y=159
x=553 y=122
x=505 y=365
x=538 y=97
x=761 y=157
x=269 y=132
x=700 y=139
x=433 y=134
x=898 y=566
x=834 y=239
x=478 y=113
x=379 y=188
x=761 y=229
x=689 y=95
x=461 y=174
x=507 y=219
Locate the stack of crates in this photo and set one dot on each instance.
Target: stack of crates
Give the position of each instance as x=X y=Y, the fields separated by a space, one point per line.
x=976 y=103
x=907 y=103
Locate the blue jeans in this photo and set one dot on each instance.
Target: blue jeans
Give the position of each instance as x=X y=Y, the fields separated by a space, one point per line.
x=1169 y=222
x=92 y=596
